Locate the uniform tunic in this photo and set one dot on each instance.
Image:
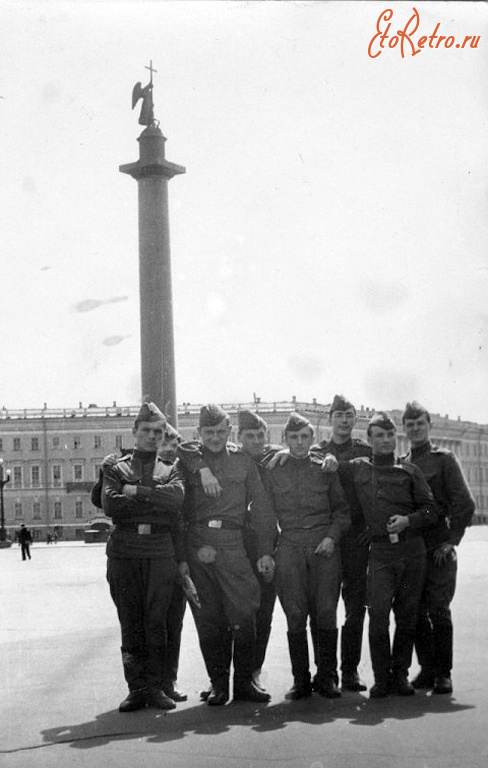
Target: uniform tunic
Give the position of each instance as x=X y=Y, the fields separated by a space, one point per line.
x=310 y=505
x=433 y=641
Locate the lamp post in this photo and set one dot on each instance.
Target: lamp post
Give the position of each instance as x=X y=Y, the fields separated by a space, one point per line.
x=4 y=479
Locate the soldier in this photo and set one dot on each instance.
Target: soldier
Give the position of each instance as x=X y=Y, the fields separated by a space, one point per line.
x=312 y=513
x=216 y=559
x=397 y=503
x=144 y=503
x=434 y=635
x=354 y=544
x=25 y=540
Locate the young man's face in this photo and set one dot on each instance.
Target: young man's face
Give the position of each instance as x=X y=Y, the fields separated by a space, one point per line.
x=383 y=441
x=299 y=442
x=215 y=438
x=343 y=423
x=252 y=441
x=148 y=435
x=168 y=449
x=417 y=430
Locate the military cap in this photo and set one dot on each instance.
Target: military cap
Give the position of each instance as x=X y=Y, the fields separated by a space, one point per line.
x=149 y=412
x=340 y=403
x=296 y=422
x=170 y=432
x=414 y=410
x=250 y=420
x=212 y=414
x=381 y=419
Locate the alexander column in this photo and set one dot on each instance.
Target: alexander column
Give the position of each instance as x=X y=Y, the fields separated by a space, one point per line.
x=152 y=173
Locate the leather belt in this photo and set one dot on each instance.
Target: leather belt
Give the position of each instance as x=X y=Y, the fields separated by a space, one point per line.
x=389 y=538
x=143 y=529
x=219 y=524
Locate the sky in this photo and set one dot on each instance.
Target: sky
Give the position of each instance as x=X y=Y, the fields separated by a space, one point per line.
x=329 y=235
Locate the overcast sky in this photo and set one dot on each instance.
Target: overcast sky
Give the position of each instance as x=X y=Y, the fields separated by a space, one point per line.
x=329 y=235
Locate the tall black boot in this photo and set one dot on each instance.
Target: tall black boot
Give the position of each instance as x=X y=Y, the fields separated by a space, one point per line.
x=300 y=665
x=327 y=666
x=401 y=661
x=216 y=650
x=155 y=661
x=424 y=647
x=134 y=664
x=244 y=658
x=443 y=642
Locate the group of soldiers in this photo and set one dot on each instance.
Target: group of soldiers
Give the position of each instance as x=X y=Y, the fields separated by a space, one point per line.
x=244 y=524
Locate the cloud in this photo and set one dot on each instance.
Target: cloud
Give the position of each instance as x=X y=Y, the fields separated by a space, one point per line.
x=87 y=305
x=112 y=341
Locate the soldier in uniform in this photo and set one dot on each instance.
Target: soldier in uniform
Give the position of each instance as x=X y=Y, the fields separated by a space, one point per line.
x=397 y=503
x=216 y=559
x=434 y=635
x=143 y=549
x=312 y=514
x=354 y=543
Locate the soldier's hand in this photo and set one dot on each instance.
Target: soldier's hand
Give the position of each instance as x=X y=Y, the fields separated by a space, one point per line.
x=183 y=569
x=443 y=552
x=266 y=567
x=109 y=461
x=129 y=490
x=210 y=484
x=280 y=457
x=330 y=463
x=397 y=523
x=326 y=547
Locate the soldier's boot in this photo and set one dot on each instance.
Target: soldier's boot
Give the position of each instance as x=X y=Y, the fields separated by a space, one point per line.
x=380 y=652
x=245 y=689
x=170 y=672
x=351 y=644
x=134 y=665
x=327 y=667
x=217 y=653
x=443 y=647
x=300 y=666
x=401 y=661
x=424 y=649
x=155 y=661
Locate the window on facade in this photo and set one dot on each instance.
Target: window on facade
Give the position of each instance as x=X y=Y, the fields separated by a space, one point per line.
x=36 y=510
x=56 y=442
x=96 y=470
x=77 y=473
x=76 y=442
x=17 y=477
x=97 y=441
x=34 y=444
x=1 y=444
x=16 y=443
x=56 y=475
x=78 y=509
x=35 y=476
x=18 y=510
x=118 y=441
x=79 y=533
x=58 y=510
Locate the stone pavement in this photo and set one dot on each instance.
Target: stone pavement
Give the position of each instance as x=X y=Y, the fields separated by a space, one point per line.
x=62 y=682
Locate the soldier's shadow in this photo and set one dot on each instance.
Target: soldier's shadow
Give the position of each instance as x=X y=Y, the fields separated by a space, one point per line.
x=159 y=727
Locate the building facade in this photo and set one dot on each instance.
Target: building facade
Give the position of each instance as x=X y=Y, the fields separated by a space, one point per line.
x=54 y=456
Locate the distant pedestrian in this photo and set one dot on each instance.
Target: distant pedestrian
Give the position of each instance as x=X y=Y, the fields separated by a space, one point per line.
x=49 y=538
x=55 y=537
x=25 y=540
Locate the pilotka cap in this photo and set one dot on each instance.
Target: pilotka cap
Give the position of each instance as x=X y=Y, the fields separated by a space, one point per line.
x=250 y=420
x=296 y=422
x=414 y=410
x=340 y=403
x=381 y=419
x=149 y=412
x=211 y=414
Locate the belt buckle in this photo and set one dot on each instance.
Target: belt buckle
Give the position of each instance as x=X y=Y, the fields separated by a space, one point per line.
x=144 y=528
x=214 y=523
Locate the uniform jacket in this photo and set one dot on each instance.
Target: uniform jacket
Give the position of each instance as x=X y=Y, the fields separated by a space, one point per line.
x=390 y=489
x=455 y=502
x=242 y=487
x=158 y=500
x=309 y=503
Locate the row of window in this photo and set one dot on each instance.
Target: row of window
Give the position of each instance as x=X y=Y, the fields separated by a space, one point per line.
x=57 y=510
x=35 y=443
x=19 y=480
